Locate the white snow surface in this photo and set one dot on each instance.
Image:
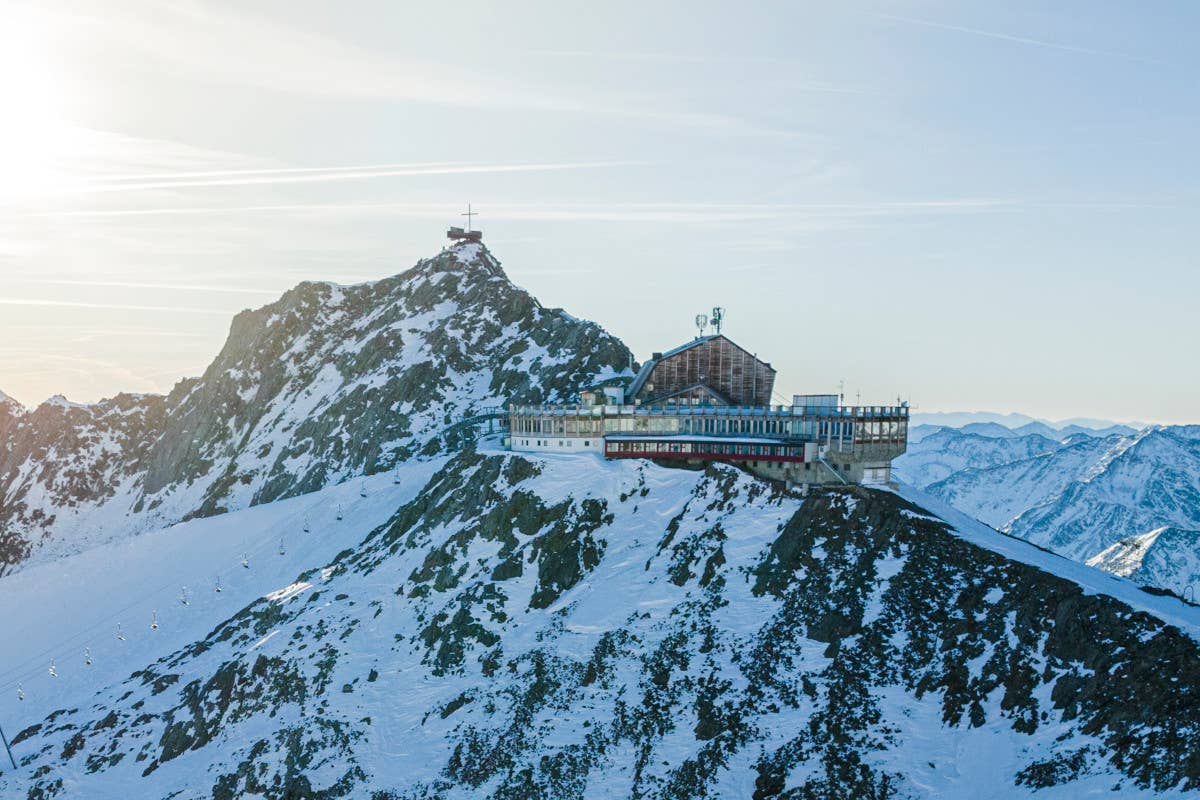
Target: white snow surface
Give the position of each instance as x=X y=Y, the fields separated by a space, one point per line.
x=55 y=610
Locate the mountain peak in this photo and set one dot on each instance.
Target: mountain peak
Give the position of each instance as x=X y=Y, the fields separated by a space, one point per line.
x=326 y=383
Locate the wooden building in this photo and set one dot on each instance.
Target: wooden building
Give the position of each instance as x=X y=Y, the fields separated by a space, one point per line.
x=710 y=370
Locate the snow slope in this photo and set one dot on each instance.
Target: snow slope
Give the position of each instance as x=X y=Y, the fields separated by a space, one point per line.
x=1168 y=557
x=562 y=626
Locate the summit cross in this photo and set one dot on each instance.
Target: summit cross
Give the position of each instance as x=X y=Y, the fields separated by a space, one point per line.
x=468 y=214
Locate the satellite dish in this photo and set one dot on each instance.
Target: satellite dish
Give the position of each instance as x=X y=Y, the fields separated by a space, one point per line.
x=701 y=323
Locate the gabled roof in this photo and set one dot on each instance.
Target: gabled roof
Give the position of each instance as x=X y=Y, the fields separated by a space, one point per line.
x=704 y=339
x=648 y=367
x=693 y=343
x=640 y=379
x=724 y=400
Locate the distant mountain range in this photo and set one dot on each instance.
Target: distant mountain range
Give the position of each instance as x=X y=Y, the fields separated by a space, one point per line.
x=1123 y=500
x=1012 y=420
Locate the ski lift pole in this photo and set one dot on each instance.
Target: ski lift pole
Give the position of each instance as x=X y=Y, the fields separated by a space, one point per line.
x=8 y=749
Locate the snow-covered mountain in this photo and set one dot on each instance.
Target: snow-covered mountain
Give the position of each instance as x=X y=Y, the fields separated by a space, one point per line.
x=506 y=626
x=1143 y=482
x=337 y=593
x=918 y=432
x=1161 y=557
x=1080 y=497
x=325 y=383
x=1000 y=491
x=1022 y=423
x=948 y=451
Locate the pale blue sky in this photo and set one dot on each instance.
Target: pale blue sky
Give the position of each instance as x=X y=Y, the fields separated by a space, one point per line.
x=973 y=205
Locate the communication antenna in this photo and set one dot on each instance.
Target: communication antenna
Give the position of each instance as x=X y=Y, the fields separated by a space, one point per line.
x=701 y=324
x=717 y=318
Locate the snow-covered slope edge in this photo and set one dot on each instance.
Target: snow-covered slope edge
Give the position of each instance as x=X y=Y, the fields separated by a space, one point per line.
x=567 y=627
x=326 y=383
x=1164 y=557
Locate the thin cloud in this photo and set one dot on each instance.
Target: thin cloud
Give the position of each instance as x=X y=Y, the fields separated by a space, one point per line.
x=609 y=212
x=246 y=49
x=18 y=301
x=681 y=58
x=223 y=173
x=324 y=175
x=1007 y=37
x=698 y=213
x=181 y=287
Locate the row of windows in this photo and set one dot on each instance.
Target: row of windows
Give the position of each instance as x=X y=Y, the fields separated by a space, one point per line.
x=546 y=443
x=705 y=448
x=862 y=432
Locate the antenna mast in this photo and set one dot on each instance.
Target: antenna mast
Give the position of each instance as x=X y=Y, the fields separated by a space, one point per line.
x=718 y=317
x=701 y=324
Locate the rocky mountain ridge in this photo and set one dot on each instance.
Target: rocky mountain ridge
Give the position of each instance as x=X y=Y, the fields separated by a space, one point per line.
x=326 y=383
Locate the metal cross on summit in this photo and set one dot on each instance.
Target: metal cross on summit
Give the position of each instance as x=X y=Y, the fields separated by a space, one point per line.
x=469 y=235
x=468 y=214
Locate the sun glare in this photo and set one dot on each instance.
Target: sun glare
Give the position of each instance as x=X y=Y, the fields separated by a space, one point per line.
x=33 y=124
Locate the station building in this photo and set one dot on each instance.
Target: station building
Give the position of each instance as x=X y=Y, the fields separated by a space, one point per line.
x=712 y=400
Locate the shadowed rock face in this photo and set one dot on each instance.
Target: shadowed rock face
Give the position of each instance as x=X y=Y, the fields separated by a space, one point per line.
x=563 y=628
x=325 y=383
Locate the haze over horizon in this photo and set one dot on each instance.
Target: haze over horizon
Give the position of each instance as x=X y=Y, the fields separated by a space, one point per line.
x=968 y=205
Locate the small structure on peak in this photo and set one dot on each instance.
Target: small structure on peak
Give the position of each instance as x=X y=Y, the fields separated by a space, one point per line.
x=468 y=235
x=711 y=400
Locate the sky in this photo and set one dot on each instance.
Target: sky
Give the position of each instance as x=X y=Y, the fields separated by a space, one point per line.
x=969 y=205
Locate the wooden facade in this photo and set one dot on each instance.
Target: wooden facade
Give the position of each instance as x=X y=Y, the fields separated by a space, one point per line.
x=710 y=370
